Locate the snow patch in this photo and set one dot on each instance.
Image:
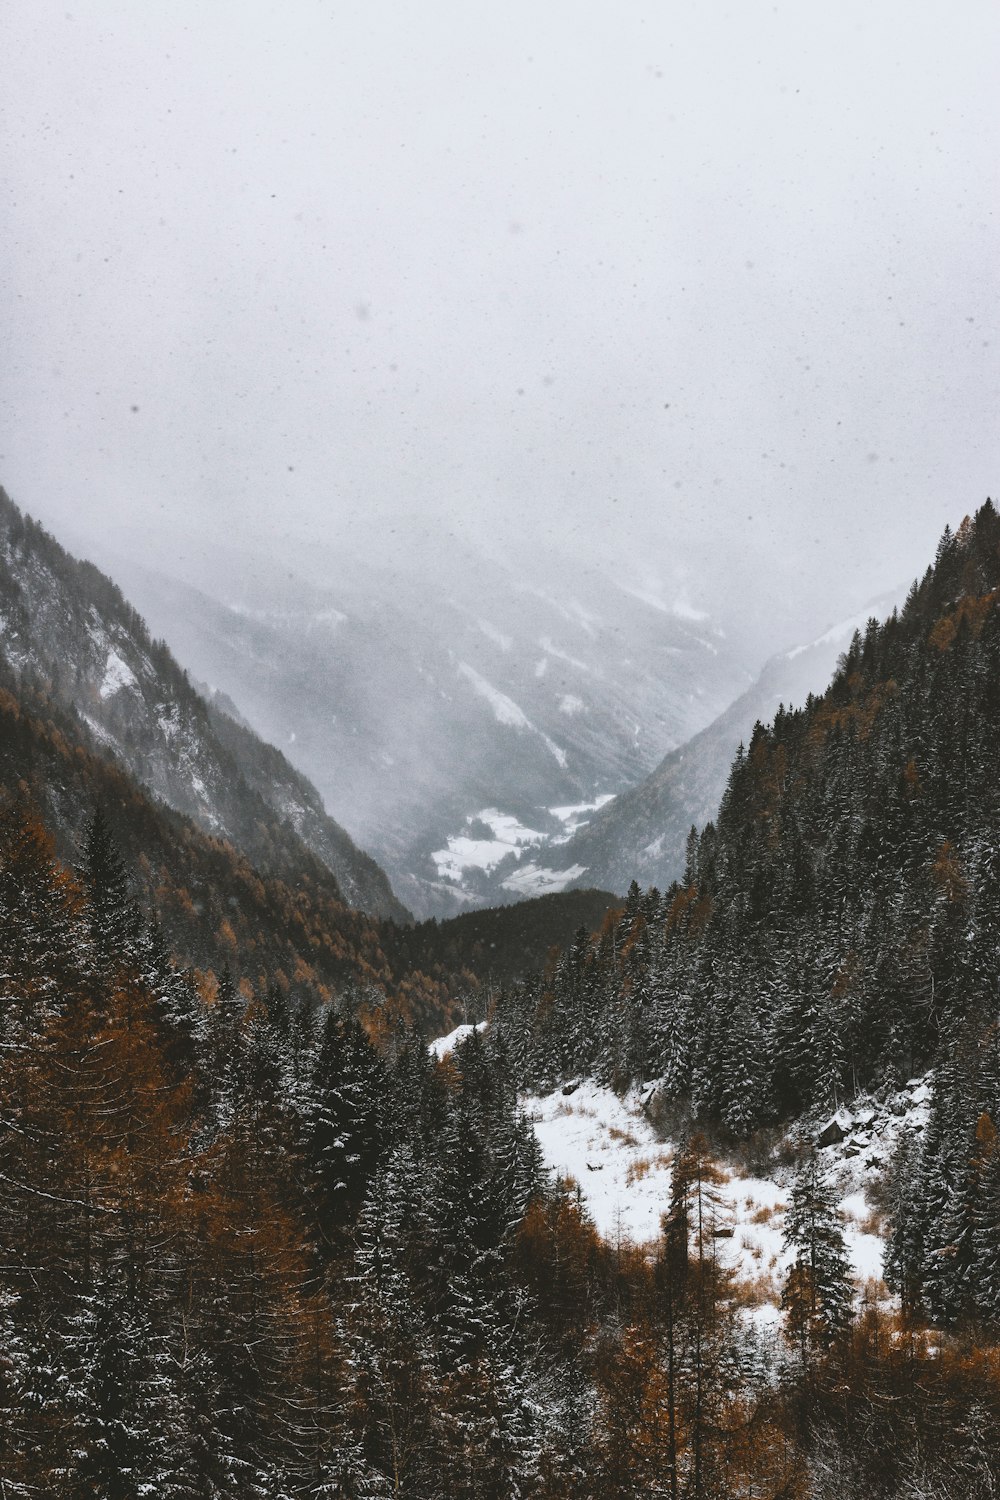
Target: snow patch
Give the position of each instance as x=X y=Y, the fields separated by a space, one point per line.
x=117 y=675
x=442 y=1045
x=570 y=814
x=169 y=722
x=505 y=710
x=96 y=630
x=555 y=750
x=539 y=880
x=466 y=853
x=99 y=732
x=505 y=642
x=685 y=611
x=553 y=650
x=840 y=632
x=570 y=704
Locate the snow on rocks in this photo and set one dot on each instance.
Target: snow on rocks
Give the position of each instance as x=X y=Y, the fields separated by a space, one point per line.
x=863 y=1135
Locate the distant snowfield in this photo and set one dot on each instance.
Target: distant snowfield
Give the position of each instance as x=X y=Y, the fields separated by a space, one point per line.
x=571 y=816
x=466 y=852
x=540 y=880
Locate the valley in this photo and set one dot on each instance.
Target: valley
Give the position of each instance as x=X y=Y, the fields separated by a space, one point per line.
x=423 y=699
x=718 y=1148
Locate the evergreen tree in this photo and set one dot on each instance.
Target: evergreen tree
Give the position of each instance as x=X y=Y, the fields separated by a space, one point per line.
x=817 y=1291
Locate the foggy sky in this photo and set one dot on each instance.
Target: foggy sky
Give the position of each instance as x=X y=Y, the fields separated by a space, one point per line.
x=703 y=292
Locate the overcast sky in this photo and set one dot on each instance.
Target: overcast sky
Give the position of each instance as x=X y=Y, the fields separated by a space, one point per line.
x=707 y=291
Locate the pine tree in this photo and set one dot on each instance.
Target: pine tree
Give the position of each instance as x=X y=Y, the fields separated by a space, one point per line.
x=121 y=1402
x=397 y=1394
x=114 y=920
x=341 y=1120
x=817 y=1291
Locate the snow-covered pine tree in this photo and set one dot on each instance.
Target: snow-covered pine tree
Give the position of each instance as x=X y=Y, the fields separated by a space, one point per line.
x=817 y=1291
x=341 y=1120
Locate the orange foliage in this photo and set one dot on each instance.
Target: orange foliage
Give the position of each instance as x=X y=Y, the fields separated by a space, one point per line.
x=973 y=610
x=947 y=872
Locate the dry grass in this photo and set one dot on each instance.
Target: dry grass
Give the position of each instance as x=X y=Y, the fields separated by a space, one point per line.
x=755 y=1291
x=765 y=1214
x=643 y=1165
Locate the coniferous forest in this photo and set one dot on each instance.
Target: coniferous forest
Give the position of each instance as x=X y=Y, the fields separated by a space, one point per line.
x=257 y=1240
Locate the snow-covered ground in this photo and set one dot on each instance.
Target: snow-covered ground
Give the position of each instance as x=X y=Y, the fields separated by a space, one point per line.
x=608 y=1146
x=609 y=1149
x=539 y=880
x=471 y=853
x=572 y=815
x=442 y=1045
x=490 y=835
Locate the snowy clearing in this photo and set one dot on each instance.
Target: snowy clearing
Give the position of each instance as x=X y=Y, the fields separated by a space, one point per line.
x=572 y=815
x=539 y=880
x=608 y=1147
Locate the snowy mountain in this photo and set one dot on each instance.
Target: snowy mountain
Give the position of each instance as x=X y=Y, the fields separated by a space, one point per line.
x=460 y=716
x=64 y=623
x=641 y=834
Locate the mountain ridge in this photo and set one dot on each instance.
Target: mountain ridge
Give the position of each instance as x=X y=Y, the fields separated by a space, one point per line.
x=415 y=704
x=66 y=622
x=613 y=848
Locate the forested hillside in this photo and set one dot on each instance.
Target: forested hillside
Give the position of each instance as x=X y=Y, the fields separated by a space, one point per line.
x=641 y=834
x=840 y=922
x=245 y=1252
x=290 y=927
x=837 y=930
x=66 y=630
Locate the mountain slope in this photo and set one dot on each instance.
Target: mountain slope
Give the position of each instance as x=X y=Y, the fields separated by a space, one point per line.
x=418 y=699
x=65 y=624
x=838 y=924
x=641 y=835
